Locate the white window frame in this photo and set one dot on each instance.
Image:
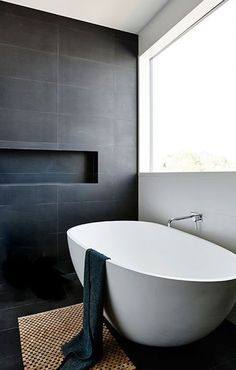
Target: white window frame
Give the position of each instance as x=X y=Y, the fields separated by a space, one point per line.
x=146 y=136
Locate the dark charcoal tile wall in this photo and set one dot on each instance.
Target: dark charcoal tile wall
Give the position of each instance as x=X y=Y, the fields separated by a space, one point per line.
x=65 y=85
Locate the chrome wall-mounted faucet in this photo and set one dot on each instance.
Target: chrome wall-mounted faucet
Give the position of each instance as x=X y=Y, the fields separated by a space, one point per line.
x=196 y=217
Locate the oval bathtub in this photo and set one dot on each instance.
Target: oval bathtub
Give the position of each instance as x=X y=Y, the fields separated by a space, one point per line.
x=164 y=287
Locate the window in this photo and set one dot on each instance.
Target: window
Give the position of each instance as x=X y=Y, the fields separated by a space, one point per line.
x=192 y=118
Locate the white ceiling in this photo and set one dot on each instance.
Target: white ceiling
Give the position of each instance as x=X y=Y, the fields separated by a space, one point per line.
x=126 y=15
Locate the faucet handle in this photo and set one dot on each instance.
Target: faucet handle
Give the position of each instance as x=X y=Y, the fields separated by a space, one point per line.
x=196 y=217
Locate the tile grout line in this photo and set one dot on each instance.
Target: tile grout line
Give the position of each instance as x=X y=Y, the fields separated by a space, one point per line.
x=89 y=60
x=2 y=43
x=56 y=82
x=107 y=116
x=27 y=79
x=57 y=120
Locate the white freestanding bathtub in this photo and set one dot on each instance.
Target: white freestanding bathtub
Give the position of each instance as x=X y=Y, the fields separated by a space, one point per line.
x=164 y=287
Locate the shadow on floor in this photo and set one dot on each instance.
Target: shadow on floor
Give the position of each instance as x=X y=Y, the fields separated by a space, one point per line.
x=217 y=351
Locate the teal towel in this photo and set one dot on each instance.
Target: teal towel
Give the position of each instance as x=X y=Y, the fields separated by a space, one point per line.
x=85 y=349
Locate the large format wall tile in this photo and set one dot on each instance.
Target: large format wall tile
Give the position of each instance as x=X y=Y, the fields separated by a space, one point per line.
x=125 y=131
x=29 y=64
x=27 y=33
x=126 y=106
x=30 y=126
x=27 y=95
x=85 y=73
x=80 y=101
x=124 y=161
x=70 y=86
x=28 y=194
x=88 y=45
x=25 y=12
x=125 y=80
x=72 y=214
x=64 y=260
x=74 y=193
x=97 y=30
x=85 y=129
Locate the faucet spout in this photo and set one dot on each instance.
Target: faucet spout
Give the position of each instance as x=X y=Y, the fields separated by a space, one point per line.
x=196 y=217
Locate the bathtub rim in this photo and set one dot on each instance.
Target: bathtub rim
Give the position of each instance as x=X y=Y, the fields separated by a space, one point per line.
x=143 y=272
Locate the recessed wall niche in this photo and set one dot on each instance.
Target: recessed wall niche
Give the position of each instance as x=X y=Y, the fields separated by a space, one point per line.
x=23 y=166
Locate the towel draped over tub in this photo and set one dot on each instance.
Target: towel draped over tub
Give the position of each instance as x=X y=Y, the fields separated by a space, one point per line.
x=85 y=349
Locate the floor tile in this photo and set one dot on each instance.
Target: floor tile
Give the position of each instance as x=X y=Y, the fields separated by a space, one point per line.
x=11 y=363
x=9 y=343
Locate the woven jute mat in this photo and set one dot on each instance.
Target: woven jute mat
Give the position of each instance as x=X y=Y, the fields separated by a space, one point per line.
x=43 y=334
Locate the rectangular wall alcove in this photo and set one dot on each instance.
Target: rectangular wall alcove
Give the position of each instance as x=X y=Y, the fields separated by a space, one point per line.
x=23 y=166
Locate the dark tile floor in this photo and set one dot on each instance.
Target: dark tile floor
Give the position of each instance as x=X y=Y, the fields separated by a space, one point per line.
x=215 y=352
